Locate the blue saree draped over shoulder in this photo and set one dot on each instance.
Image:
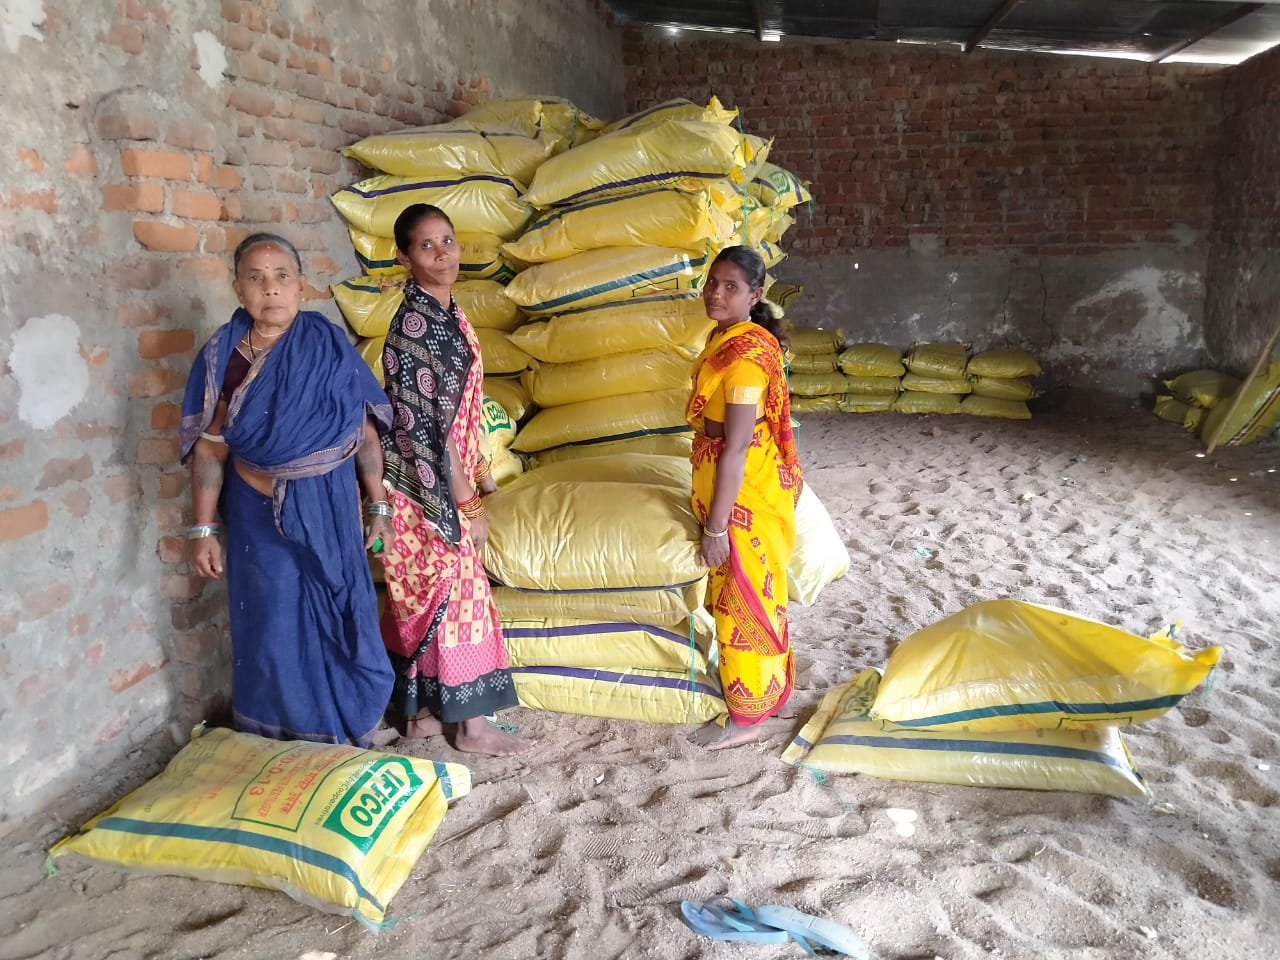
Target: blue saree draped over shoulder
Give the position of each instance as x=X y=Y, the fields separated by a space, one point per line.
x=308 y=661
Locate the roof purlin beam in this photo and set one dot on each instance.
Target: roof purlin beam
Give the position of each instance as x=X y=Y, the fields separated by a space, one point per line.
x=768 y=14
x=991 y=22
x=1238 y=13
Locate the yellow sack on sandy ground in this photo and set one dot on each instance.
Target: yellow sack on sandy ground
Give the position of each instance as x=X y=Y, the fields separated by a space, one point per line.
x=817 y=384
x=923 y=384
x=677 y=109
x=654 y=696
x=1018 y=388
x=676 y=320
x=1230 y=424
x=671 y=217
x=1204 y=388
x=993 y=407
x=498 y=354
x=660 y=470
x=572 y=535
x=805 y=340
x=1009 y=665
x=368 y=304
x=867 y=402
x=939 y=361
x=334 y=827
x=658 y=444
x=821 y=363
x=1171 y=408
x=1004 y=364
x=874 y=386
x=911 y=401
x=667 y=607
x=426 y=153
x=555 y=384
x=661 y=154
x=371 y=353
x=606 y=275
x=566 y=642
x=612 y=418
x=841 y=738
x=820 y=556
x=775 y=187
x=486 y=305
x=871 y=360
x=475 y=204
x=509 y=392
x=828 y=404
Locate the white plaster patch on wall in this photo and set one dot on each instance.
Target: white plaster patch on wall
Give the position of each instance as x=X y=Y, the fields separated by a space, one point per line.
x=20 y=18
x=1161 y=324
x=212 y=57
x=52 y=376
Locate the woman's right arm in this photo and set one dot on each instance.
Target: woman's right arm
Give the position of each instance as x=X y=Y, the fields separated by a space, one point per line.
x=208 y=466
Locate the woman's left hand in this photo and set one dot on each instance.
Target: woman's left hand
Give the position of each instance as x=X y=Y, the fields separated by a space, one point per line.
x=479 y=532
x=488 y=486
x=379 y=528
x=715 y=551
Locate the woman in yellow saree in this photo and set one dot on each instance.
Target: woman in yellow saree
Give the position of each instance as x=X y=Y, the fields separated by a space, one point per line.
x=746 y=479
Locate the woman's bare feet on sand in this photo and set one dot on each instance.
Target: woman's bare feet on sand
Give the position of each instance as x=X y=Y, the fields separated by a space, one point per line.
x=715 y=737
x=422 y=726
x=478 y=735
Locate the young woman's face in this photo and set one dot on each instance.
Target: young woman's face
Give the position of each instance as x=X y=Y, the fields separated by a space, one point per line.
x=269 y=285
x=728 y=295
x=433 y=254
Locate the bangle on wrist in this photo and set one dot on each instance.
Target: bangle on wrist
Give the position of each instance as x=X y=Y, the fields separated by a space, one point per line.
x=716 y=535
x=201 y=530
x=483 y=470
x=472 y=507
x=379 y=508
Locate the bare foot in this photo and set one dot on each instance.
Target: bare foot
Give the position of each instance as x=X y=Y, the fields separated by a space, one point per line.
x=715 y=737
x=422 y=726
x=478 y=735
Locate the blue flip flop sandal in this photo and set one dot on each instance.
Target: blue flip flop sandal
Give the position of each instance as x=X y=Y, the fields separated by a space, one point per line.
x=732 y=922
x=807 y=929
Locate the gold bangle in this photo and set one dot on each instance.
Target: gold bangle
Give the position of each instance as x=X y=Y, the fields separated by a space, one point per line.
x=483 y=470
x=472 y=508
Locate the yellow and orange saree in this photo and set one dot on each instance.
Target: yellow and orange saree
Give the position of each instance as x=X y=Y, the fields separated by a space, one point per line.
x=749 y=591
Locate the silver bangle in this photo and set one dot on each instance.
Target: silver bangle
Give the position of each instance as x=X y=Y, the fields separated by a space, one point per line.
x=201 y=530
x=715 y=536
x=379 y=508
x=213 y=437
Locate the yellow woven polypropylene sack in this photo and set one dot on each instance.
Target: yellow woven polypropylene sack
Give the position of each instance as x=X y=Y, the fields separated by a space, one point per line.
x=661 y=154
x=827 y=404
x=655 y=469
x=1204 y=388
x=914 y=381
x=499 y=429
x=567 y=642
x=652 y=696
x=335 y=827
x=670 y=217
x=505 y=466
x=368 y=304
x=841 y=738
x=867 y=402
x=821 y=363
x=667 y=607
x=876 y=386
x=426 y=152
x=498 y=354
x=371 y=353
x=555 y=384
x=911 y=401
x=784 y=294
x=1171 y=409
x=678 y=320
x=775 y=187
x=570 y=535
x=657 y=445
x=376 y=255
x=1009 y=665
x=817 y=384
x=820 y=556
x=554 y=115
x=519 y=156
x=678 y=109
x=770 y=253
x=1004 y=364
x=1019 y=388
x=940 y=361
x=816 y=341
x=486 y=305
x=606 y=275
x=871 y=360
x=1194 y=419
x=480 y=203
x=994 y=407
x=1231 y=424
x=509 y=392
x=612 y=418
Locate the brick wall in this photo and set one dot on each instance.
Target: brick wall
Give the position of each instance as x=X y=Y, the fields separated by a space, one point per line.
x=1243 y=301
x=144 y=139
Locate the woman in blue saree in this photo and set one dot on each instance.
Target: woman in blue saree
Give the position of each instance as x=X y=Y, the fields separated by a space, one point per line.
x=279 y=424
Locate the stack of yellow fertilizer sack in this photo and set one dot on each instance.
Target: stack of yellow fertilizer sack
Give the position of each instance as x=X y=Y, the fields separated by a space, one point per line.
x=1004 y=694
x=335 y=827
x=1248 y=414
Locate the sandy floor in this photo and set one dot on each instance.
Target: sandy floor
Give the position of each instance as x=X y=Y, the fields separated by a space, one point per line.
x=586 y=849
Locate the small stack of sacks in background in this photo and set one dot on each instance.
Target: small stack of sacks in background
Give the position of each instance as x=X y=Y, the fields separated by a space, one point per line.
x=1220 y=408
x=931 y=378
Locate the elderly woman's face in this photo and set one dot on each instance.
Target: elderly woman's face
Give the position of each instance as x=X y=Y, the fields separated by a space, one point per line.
x=269 y=286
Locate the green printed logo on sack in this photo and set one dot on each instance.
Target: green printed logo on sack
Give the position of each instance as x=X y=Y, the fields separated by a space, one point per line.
x=370 y=803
